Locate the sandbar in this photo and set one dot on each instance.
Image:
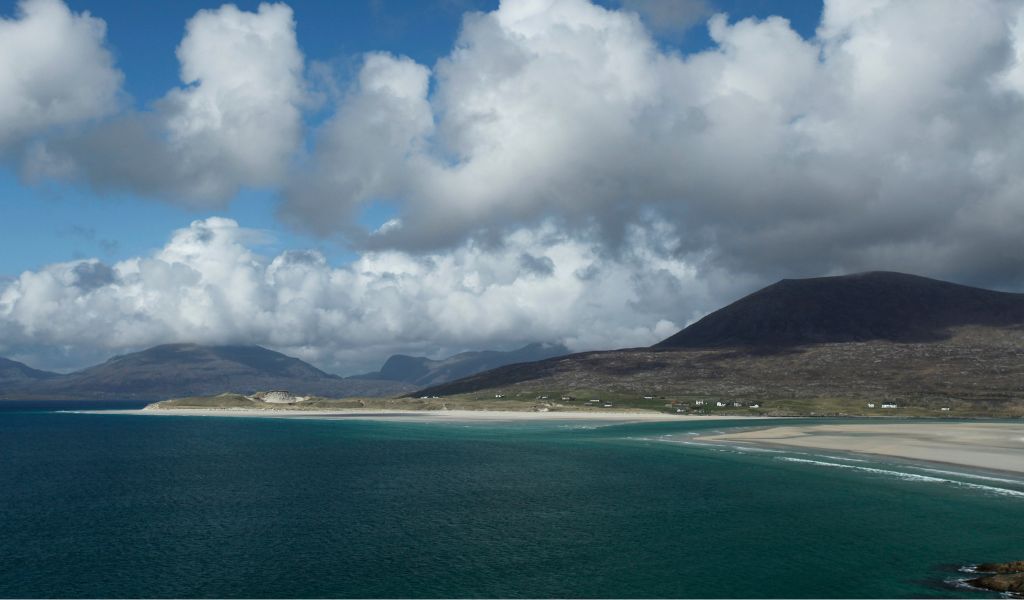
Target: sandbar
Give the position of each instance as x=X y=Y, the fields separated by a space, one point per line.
x=984 y=445
x=424 y=415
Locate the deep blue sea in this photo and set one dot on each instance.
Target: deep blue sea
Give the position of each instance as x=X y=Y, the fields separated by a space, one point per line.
x=95 y=505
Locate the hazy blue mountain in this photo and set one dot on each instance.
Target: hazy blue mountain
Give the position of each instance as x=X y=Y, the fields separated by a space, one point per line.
x=422 y=371
x=190 y=369
x=14 y=373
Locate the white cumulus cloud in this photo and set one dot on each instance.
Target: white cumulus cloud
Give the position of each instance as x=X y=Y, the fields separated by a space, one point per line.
x=882 y=142
x=209 y=284
x=236 y=121
x=55 y=69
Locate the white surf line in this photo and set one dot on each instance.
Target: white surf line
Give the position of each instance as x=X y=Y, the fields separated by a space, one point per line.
x=907 y=476
x=974 y=476
x=847 y=459
x=725 y=447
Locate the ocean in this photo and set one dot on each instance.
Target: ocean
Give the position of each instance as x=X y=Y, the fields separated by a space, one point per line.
x=95 y=505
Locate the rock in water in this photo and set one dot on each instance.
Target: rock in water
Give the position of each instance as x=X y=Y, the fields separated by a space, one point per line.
x=1001 y=582
x=1016 y=566
x=1007 y=577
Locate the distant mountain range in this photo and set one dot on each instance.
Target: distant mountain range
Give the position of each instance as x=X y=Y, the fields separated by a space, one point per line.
x=175 y=370
x=185 y=370
x=870 y=335
x=422 y=372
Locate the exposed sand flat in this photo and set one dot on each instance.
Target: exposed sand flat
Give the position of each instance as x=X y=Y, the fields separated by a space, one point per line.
x=980 y=445
x=422 y=415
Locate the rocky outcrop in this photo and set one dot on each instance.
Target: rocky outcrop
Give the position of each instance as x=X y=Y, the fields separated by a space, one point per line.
x=1016 y=566
x=1005 y=577
x=1001 y=582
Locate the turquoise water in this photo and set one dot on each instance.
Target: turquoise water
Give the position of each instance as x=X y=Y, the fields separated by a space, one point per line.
x=116 y=506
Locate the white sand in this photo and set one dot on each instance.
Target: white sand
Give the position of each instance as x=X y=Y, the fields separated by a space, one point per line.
x=423 y=415
x=997 y=446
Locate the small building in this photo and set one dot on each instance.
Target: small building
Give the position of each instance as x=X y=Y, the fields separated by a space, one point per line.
x=720 y=404
x=889 y=405
x=737 y=404
x=648 y=397
x=699 y=403
x=280 y=397
x=499 y=395
x=945 y=409
x=755 y=406
x=871 y=404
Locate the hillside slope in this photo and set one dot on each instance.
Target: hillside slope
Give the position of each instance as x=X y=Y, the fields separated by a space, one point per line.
x=850 y=308
x=857 y=338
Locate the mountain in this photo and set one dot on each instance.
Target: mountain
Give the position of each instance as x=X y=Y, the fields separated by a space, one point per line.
x=827 y=345
x=13 y=373
x=850 y=308
x=422 y=371
x=190 y=369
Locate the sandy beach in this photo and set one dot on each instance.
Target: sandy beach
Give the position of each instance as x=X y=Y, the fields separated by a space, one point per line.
x=424 y=415
x=998 y=446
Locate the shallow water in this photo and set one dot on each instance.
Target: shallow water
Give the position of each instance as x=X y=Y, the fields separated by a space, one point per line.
x=116 y=505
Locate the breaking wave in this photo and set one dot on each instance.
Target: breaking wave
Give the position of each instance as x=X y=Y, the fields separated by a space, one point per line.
x=908 y=476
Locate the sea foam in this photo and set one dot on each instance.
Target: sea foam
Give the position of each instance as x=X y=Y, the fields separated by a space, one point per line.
x=907 y=476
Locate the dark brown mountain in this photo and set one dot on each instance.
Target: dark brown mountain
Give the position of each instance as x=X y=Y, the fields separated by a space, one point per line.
x=850 y=308
x=812 y=343
x=190 y=370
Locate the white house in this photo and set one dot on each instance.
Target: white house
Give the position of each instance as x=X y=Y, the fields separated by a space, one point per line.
x=871 y=404
x=721 y=404
x=280 y=397
x=889 y=406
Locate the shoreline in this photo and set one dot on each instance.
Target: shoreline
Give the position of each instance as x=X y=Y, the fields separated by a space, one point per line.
x=426 y=415
x=986 y=445
x=989 y=446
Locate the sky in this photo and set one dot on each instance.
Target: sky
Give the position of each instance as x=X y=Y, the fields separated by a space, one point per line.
x=341 y=181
